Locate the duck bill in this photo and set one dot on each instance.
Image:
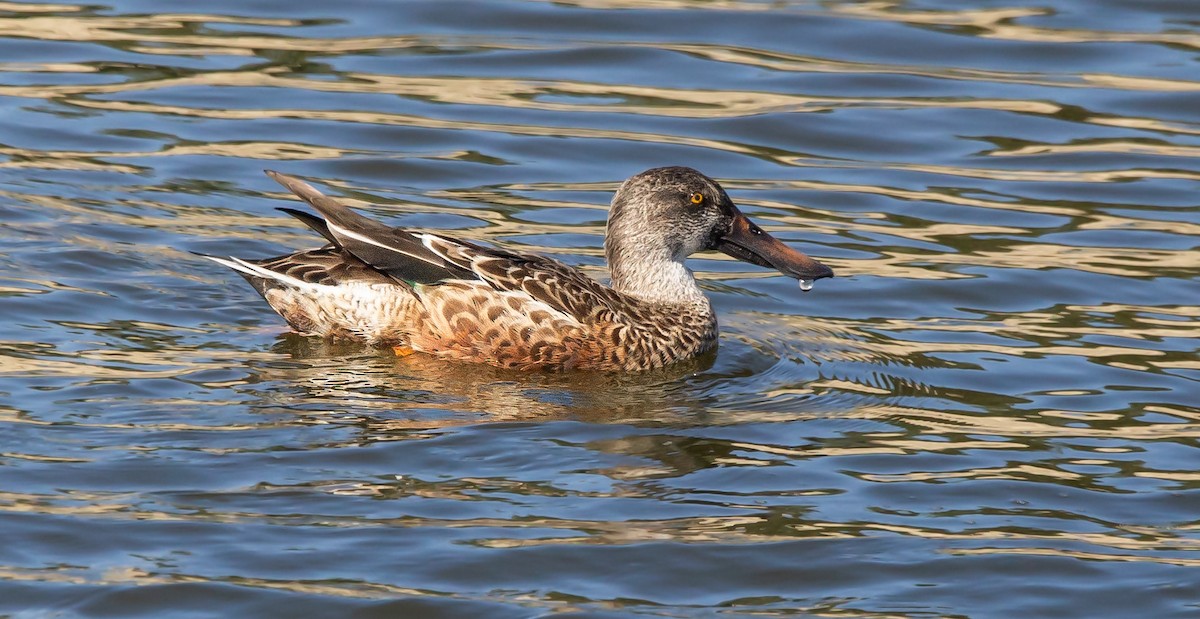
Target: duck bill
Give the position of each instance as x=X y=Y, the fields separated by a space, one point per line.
x=749 y=243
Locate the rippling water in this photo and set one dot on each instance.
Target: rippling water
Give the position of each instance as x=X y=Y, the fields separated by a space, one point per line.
x=992 y=412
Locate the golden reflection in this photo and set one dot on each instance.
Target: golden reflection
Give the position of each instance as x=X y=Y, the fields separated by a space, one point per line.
x=892 y=10
x=1180 y=364
x=1102 y=221
x=1025 y=472
x=1051 y=325
x=40 y=7
x=4 y=414
x=129 y=575
x=113 y=363
x=1122 y=262
x=1125 y=82
x=1188 y=477
x=1076 y=554
x=775 y=60
x=1100 y=146
x=46 y=67
x=946 y=423
x=40 y=161
x=69 y=160
x=19 y=291
x=1002 y=24
x=688 y=5
x=100 y=28
x=1056 y=176
x=1147 y=124
x=175 y=34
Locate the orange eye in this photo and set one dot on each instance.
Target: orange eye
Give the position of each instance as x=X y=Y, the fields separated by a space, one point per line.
x=697 y=198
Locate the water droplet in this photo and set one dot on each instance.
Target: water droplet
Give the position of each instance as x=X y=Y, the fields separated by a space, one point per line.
x=806 y=284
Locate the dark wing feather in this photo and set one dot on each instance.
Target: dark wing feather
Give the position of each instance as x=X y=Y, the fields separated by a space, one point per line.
x=312 y=221
x=394 y=251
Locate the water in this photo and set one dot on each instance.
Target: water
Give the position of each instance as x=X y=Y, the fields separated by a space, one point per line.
x=990 y=412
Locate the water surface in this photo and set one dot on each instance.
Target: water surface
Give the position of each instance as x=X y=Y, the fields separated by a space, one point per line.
x=991 y=412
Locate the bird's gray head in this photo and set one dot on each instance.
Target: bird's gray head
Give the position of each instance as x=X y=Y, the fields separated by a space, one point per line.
x=667 y=214
x=674 y=210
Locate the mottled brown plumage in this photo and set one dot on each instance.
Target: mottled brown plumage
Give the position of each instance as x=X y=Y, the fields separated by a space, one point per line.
x=431 y=293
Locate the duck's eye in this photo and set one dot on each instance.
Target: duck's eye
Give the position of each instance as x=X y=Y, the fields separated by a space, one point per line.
x=697 y=198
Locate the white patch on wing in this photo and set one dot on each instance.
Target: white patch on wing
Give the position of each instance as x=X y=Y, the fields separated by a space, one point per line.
x=428 y=239
x=340 y=231
x=242 y=266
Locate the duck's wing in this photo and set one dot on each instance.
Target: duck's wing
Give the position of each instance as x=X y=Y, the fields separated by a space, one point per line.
x=427 y=258
x=396 y=252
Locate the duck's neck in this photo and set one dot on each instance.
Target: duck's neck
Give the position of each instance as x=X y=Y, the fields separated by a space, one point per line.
x=652 y=275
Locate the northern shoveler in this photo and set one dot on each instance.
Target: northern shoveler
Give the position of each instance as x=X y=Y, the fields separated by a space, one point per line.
x=428 y=292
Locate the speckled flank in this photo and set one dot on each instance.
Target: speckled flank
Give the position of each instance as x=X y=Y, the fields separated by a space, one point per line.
x=369 y=312
x=472 y=321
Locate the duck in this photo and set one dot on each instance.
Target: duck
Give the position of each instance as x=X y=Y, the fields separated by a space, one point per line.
x=428 y=292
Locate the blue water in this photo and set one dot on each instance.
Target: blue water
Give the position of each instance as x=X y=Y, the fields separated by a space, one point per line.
x=990 y=412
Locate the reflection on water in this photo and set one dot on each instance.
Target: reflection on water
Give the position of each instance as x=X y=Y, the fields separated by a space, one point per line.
x=991 y=412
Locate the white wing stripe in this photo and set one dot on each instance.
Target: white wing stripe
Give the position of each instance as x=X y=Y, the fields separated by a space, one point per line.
x=428 y=239
x=340 y=231
x=242 y=266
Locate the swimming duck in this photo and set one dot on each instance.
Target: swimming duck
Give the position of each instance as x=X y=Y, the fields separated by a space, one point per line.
x=431 y=293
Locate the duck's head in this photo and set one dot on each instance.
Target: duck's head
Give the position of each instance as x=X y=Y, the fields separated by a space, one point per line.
x=672 y=213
